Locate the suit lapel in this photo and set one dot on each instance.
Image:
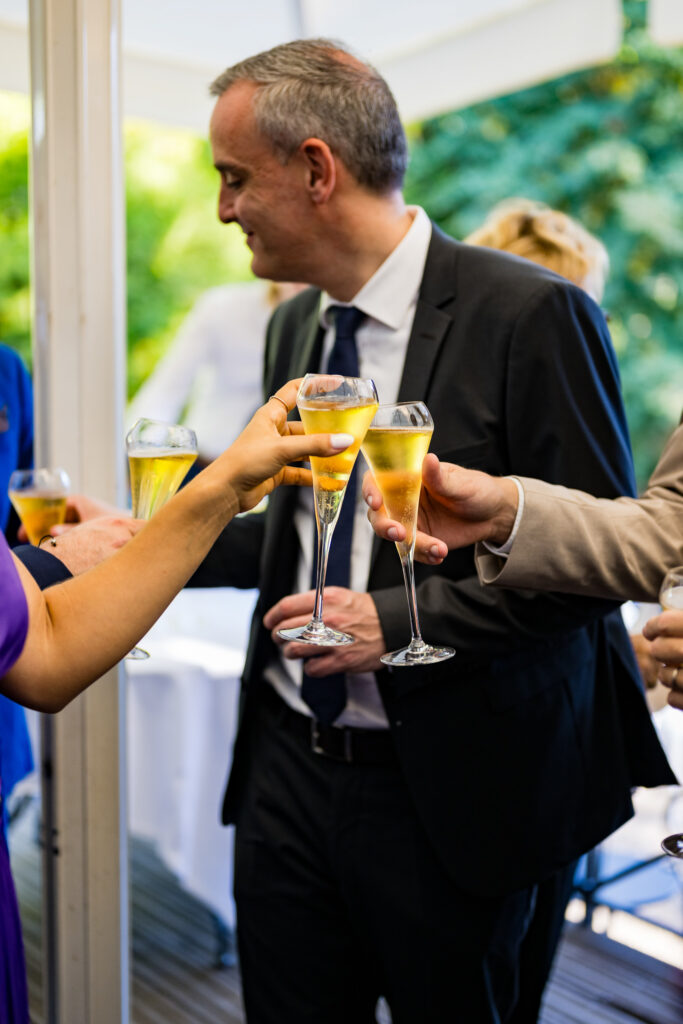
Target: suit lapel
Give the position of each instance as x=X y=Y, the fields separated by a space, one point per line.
x=430 y=326
x=431 y=322
x=426 y=338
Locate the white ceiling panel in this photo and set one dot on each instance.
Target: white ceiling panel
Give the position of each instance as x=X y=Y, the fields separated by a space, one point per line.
x=437 y=55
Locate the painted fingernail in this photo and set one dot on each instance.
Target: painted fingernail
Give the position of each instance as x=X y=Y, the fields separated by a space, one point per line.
x=341 y=440
x=392 y=533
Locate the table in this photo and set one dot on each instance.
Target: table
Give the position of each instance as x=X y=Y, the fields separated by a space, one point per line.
x=182 y=715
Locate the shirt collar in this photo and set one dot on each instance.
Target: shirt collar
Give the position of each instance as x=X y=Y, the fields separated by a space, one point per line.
x=393 y=288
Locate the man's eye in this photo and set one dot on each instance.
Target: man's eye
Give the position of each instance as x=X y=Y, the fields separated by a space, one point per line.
x=231 y=181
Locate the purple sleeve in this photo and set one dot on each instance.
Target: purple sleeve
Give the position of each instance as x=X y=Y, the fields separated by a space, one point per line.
x=13 y=610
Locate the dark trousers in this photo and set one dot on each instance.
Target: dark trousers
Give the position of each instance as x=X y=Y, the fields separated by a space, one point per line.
x=540 y=943
x=341 y=898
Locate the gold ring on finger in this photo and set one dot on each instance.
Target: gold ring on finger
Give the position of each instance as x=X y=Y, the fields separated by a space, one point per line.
x=281 y=401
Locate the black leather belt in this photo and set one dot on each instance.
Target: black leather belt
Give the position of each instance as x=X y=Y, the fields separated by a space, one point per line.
x=338 y=743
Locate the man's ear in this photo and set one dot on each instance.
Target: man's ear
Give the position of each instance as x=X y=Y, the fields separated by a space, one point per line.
x=320 y=168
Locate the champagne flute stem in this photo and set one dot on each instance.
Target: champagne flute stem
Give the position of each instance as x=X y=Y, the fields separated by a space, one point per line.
x=325 y=531
x=407 y=564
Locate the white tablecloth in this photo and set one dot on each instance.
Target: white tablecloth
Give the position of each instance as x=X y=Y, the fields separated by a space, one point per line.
x=182 y=712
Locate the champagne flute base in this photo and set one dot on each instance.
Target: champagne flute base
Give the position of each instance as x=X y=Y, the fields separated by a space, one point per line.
x=673 y=845
x=137 y=654
x=417 y=654
x=317 y=634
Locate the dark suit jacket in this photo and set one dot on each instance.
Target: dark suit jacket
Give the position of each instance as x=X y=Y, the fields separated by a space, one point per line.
x=45 y=568
x=520 y=752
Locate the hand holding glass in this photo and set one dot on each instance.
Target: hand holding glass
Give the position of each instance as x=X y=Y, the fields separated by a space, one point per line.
x=671 y=599
x=329 y=403
x=394 y=448
x=159 y=457
x=39 y=499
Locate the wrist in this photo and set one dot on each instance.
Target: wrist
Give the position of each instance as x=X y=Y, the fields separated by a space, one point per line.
x=209 y=501
x=504 y=520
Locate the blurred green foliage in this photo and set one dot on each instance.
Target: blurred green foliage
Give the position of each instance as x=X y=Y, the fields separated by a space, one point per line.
x=603 y=145
x=176 y=246
x=15 y=298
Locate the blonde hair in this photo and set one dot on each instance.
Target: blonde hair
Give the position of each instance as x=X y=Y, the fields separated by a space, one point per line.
x=549 y=237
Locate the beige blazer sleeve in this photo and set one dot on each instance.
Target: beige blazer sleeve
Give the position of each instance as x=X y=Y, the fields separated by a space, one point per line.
x=569 y=541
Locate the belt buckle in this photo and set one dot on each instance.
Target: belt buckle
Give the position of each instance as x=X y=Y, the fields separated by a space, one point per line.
x=345 y=753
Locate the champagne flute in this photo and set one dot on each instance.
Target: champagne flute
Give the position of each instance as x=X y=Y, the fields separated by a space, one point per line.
x=159 y=457
x=39 y=499
x=330 y=403
x=395 y=447
x=671 y=599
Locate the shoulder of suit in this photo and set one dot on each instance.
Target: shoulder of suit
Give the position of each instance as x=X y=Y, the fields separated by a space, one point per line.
x=477 y=278
x=484 y=264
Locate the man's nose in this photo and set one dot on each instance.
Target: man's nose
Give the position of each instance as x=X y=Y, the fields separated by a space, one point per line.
x=226 y=207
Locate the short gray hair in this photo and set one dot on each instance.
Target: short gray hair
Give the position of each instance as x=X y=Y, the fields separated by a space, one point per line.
x=314 y=88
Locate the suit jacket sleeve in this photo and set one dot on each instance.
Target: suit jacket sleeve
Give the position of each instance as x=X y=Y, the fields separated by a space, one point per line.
x=562 y=414
x=45 y=568
x=234 y=559
x=573 y=542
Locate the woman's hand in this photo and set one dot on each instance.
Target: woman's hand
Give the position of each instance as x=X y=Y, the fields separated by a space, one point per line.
x=257 y=461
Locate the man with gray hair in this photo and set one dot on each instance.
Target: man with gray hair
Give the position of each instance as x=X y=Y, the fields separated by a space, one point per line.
x=393 y=846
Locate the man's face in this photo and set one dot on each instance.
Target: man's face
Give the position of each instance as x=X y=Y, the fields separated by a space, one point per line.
x=266 y=198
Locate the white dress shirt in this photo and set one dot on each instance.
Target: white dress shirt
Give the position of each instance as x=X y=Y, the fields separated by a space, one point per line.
x=504 y=550
x=388 y=299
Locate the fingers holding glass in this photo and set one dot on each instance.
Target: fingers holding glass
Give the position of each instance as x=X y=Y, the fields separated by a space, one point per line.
x=331 y=404
x=671 y=599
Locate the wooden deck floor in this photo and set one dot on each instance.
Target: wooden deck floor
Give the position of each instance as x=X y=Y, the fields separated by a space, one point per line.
x=595 y=981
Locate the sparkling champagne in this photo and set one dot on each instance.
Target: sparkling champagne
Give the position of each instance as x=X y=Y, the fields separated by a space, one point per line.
x=395 y=456
x=331 y=404
x=331 y=475
x=395 y=447
x=38 y=511
x=155 y=478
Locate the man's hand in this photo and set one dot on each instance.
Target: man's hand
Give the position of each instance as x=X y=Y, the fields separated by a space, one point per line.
x=666 y=633
x=344 y=609
x=457 y=507
x=85 y=545
x=80 y=508
x=649 y=666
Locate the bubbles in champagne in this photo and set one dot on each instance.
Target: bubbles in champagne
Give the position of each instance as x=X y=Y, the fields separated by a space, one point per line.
x=155 y=478
x=328 y=504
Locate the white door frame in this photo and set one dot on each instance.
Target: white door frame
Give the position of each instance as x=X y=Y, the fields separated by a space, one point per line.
x=78 y=287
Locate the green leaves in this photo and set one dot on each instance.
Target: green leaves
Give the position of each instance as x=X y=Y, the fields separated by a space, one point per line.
x=604 y=145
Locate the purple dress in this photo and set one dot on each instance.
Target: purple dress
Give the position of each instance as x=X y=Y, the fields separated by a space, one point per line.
x=13 y=627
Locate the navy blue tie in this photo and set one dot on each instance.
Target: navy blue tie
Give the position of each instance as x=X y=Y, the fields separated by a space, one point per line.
x=326 y=697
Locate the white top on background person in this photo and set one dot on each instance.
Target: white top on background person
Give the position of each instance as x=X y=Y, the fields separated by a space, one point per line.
x=210 y=377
